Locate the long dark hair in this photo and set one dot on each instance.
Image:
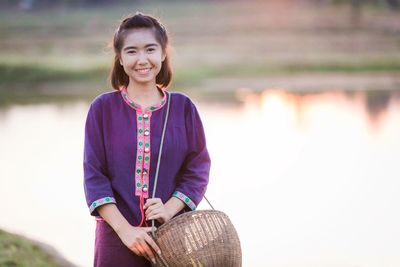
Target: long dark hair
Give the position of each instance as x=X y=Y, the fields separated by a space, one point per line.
x=118 y=77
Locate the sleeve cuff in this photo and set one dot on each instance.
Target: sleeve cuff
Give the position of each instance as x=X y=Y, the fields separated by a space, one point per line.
x=100 y=202
x=185 y=199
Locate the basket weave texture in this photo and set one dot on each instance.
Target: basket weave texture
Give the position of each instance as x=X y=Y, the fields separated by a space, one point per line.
x=204 y=238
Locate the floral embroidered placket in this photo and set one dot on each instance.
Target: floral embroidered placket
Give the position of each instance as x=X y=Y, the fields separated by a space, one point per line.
x=143 y=148
x=142 y=154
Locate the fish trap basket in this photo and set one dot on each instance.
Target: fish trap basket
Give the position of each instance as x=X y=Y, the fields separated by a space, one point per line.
x=204 y=238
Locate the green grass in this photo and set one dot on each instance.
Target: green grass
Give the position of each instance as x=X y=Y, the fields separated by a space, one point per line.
x=14 y=74
x=16 y=251
x=34 y=74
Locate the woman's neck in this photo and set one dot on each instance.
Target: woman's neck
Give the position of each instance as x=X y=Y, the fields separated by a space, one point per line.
x=144 y=94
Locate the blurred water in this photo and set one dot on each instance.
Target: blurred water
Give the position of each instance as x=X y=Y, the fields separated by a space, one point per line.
x=307 y=179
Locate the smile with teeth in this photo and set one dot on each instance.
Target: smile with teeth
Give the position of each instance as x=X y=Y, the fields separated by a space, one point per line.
x=144 y=70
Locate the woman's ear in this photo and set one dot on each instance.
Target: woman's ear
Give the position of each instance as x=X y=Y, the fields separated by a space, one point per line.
x=164 y=55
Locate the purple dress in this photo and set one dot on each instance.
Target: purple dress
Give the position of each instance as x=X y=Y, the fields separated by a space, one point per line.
x=121 y=149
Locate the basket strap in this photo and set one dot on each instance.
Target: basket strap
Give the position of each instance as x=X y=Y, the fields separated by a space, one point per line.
x=159 y=160
x=209 y=202
x=159 y=156
x=161 y=146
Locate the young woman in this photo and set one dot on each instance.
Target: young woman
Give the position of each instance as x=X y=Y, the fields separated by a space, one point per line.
x=122 y=140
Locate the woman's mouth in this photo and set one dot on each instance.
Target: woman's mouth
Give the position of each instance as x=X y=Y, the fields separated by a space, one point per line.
x=143 y=71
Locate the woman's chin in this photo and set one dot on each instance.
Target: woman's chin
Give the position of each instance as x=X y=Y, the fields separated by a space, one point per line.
x=143 y=80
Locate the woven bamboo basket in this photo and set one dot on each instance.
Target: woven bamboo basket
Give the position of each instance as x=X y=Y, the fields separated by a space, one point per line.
x=204 y=238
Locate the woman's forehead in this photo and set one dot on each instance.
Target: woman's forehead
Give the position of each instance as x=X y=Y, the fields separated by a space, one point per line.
x=140 y=37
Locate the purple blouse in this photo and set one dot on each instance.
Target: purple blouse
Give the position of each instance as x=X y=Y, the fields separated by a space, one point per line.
x=121 y=149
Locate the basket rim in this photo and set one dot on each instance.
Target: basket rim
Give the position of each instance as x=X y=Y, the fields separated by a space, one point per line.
x=185 y=214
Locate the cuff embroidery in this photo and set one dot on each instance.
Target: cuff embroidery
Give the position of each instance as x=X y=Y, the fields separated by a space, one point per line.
x=185 y=199
x=100 y=202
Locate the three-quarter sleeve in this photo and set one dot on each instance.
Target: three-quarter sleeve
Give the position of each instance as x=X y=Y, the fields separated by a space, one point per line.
x=97 y=184
x=193 y=181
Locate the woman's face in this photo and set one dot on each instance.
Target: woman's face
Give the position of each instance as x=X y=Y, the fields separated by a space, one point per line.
x=141 y=56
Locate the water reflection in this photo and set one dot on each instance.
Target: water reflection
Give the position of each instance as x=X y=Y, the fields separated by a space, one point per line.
x=307 y=179
x=378 y=102
x=375 y=102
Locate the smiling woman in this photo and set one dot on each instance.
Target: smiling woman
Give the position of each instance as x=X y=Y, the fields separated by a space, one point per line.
x=122 y=143
x=140 y=47
x=141 y=56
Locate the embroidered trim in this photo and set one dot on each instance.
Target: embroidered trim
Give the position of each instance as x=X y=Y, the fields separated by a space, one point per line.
x=100 y=202
x=142 y=169
x=143 y=122
x=185 y=199
x=139 y=108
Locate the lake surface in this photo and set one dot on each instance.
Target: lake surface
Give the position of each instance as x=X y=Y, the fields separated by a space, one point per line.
x=307 y=179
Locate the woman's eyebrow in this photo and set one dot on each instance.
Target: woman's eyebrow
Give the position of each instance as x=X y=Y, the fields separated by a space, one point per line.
x=134 y=47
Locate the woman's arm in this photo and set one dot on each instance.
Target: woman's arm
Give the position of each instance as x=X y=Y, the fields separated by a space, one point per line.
x=174 y=206
x=193 y=180
x=113 y=217
x=194 y=176
x=97 y=184
x=135 y=238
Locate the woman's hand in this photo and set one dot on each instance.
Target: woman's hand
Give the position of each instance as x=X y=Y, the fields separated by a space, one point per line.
x=137 y=240
x=156 y=210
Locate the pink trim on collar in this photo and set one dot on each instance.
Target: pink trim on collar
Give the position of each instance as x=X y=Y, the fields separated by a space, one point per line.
x=139 y=108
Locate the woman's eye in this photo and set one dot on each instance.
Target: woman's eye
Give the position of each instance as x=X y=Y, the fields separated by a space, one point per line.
x=151 y=50
x=131 y=52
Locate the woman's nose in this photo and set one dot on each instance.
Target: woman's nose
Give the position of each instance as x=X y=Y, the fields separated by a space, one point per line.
x=142 y=58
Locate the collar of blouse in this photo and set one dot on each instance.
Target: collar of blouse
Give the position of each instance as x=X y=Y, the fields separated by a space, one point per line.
x=138 y=107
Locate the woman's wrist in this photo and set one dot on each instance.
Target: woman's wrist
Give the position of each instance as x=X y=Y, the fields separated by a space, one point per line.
x=114 y=218
x=122 y=227
x=173 y=206
x=170 y=214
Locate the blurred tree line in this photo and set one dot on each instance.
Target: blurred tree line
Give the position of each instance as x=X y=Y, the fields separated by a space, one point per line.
x=30 y=4
x=393 y=4
x=357 y=6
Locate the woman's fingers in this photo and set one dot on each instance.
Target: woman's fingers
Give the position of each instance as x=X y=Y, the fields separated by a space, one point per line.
x=153 y=214
x=147 y=250
x=152 y=201
x=144 y=244
x=155 y=210
x=136 y=251
x=139 y=249
x=150 y=241
x=151 y=209
x=153 y=244
x=148 y=229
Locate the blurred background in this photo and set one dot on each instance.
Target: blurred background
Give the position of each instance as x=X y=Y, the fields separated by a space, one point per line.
x=300 y=101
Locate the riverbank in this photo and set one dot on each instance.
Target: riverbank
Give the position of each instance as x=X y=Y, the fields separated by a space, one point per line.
x=36 y=74
x=16 y=250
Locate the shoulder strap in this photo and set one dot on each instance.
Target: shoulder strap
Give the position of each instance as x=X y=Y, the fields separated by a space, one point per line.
x=159 y=156
x=161 y=144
